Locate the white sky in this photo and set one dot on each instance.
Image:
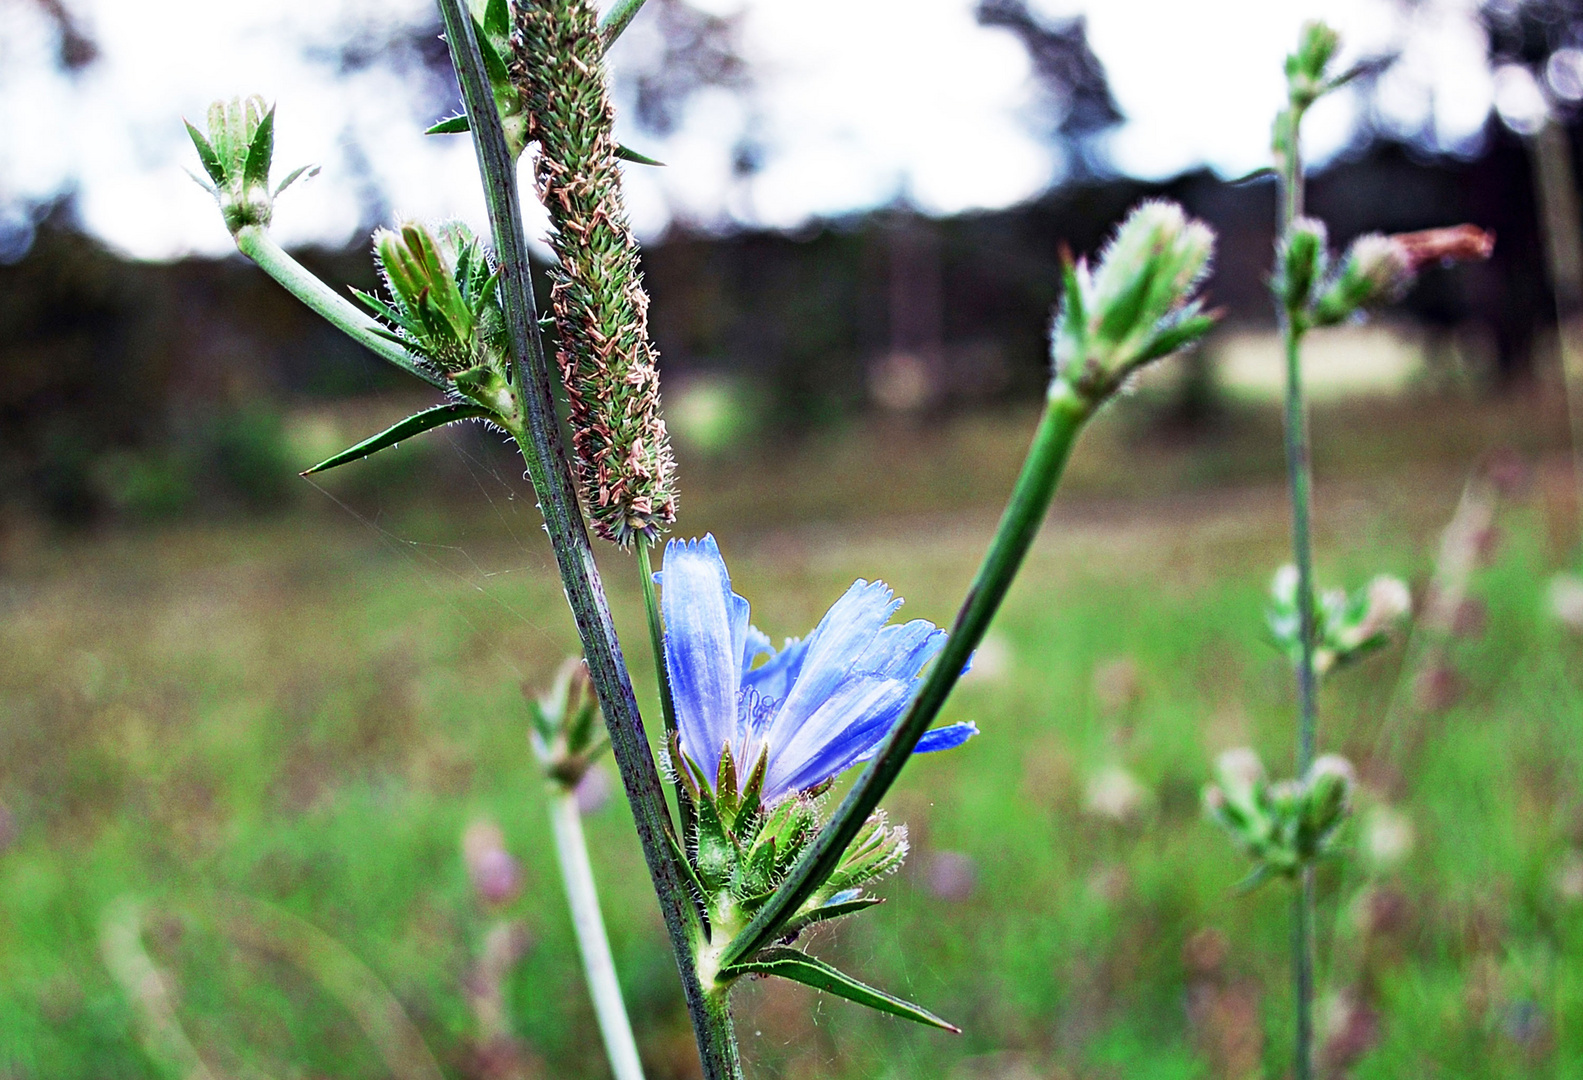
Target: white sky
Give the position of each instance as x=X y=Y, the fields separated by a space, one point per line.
x=856 y=100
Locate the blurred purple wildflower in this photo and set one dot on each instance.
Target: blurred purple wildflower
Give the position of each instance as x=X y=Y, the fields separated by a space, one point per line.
x=815 y=707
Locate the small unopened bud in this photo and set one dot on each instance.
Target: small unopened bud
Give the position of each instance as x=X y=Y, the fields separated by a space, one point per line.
x=566 y=731
x=1137 y=306
x=495 y=873
x=1327 y=797
x=1376 y=271
x=1306 y=68
x=236 y=155
x=1389 y=601
x=1240 y=771
x=443 y=305
x=1303 y=261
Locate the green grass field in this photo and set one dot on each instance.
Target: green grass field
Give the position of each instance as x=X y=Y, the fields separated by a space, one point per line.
x=309 y=710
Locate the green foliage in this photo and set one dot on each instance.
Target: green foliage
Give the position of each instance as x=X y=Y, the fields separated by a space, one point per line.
x=237 y=155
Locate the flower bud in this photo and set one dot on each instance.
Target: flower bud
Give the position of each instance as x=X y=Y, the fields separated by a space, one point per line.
x=443 y=305
x=1327 y=797
x=1139 y=304
x=565 y=730
x=1303 y=261
x=1305 y=68
x=236 y=155
x=1376 y=270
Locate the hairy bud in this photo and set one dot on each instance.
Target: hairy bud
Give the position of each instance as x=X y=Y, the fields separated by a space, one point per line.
x=1303 y=262
x=236 y=155
x=623 y=451
x=1138 y=306
x=1375 y=271
x=566 y=729
x=1306 y=68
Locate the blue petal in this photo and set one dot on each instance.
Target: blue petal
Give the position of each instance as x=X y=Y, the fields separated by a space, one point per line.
x=774 y=677
x=900 y=652
x=758 y=644
x=842 y=637
x=705 y=635
x=948 y=737
x=844 y=727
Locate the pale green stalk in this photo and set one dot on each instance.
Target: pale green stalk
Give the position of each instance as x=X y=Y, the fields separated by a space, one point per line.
x=571 y=848
x=1300 y=480
x=255 y=242
x=1065 y=412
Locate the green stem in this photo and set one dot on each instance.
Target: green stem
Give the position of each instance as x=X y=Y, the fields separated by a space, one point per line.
x=616 y=19
x=254 y=242
x=571 y=847
x=662 y=674
x=1299 y=474
x=1064 y=415
x=539 y=436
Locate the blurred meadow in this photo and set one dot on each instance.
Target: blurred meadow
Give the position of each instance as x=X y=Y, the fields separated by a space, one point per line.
x=267 y=802
x=309 y=710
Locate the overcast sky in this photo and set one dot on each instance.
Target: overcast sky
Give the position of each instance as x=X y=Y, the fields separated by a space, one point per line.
x=856 y=101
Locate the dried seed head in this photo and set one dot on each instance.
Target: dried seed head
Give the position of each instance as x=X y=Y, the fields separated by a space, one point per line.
x=623 y=451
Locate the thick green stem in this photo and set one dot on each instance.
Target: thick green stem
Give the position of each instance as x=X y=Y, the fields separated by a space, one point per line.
x=571 y=847
x=1064 y=415
x=254 y=242
x=1300 y=481
x=539 y=436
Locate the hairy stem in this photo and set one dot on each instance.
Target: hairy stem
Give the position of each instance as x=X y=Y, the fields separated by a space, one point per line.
x=255 y=242
x=1299 y=477
x=539 y=436
x=1064 y=415
x=571 y=848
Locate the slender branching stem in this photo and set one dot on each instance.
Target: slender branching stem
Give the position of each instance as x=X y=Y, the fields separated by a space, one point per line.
x=1065 y=412
x=254 y=241
x=538 y=433
x=662 y=675
x=1300 y=481
x=571 y=848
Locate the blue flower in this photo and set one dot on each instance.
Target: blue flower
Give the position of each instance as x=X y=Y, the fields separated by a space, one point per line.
x=817 y=706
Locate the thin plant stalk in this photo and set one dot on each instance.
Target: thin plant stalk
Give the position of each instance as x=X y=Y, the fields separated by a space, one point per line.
x=1559 y=221
x=1065 y=412
x=255 y=242
x=539 y=436
x=571 y=848
x=1299 y=474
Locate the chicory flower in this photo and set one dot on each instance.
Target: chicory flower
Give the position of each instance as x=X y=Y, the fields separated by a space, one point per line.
x=813 y=708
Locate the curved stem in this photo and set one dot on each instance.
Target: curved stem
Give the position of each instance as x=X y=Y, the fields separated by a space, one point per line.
x=571 y=847
x=1065 y=412
x=254 y=242
x=538 y=434
x=620 y=15
x=1299 y=474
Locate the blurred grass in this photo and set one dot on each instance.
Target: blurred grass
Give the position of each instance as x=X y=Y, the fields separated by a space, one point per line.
x=309 y=710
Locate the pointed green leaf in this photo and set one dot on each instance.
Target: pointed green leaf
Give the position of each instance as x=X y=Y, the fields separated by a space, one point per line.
x=690 y=876
x=260 y=151
x=626 y=153
x=291 y=178
x=451 y=125
x=497 y=18
x=494 y=64
x=798 y=966
x=412 y=425
x=206 y=154
x=200 y=181
x=842 y=903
